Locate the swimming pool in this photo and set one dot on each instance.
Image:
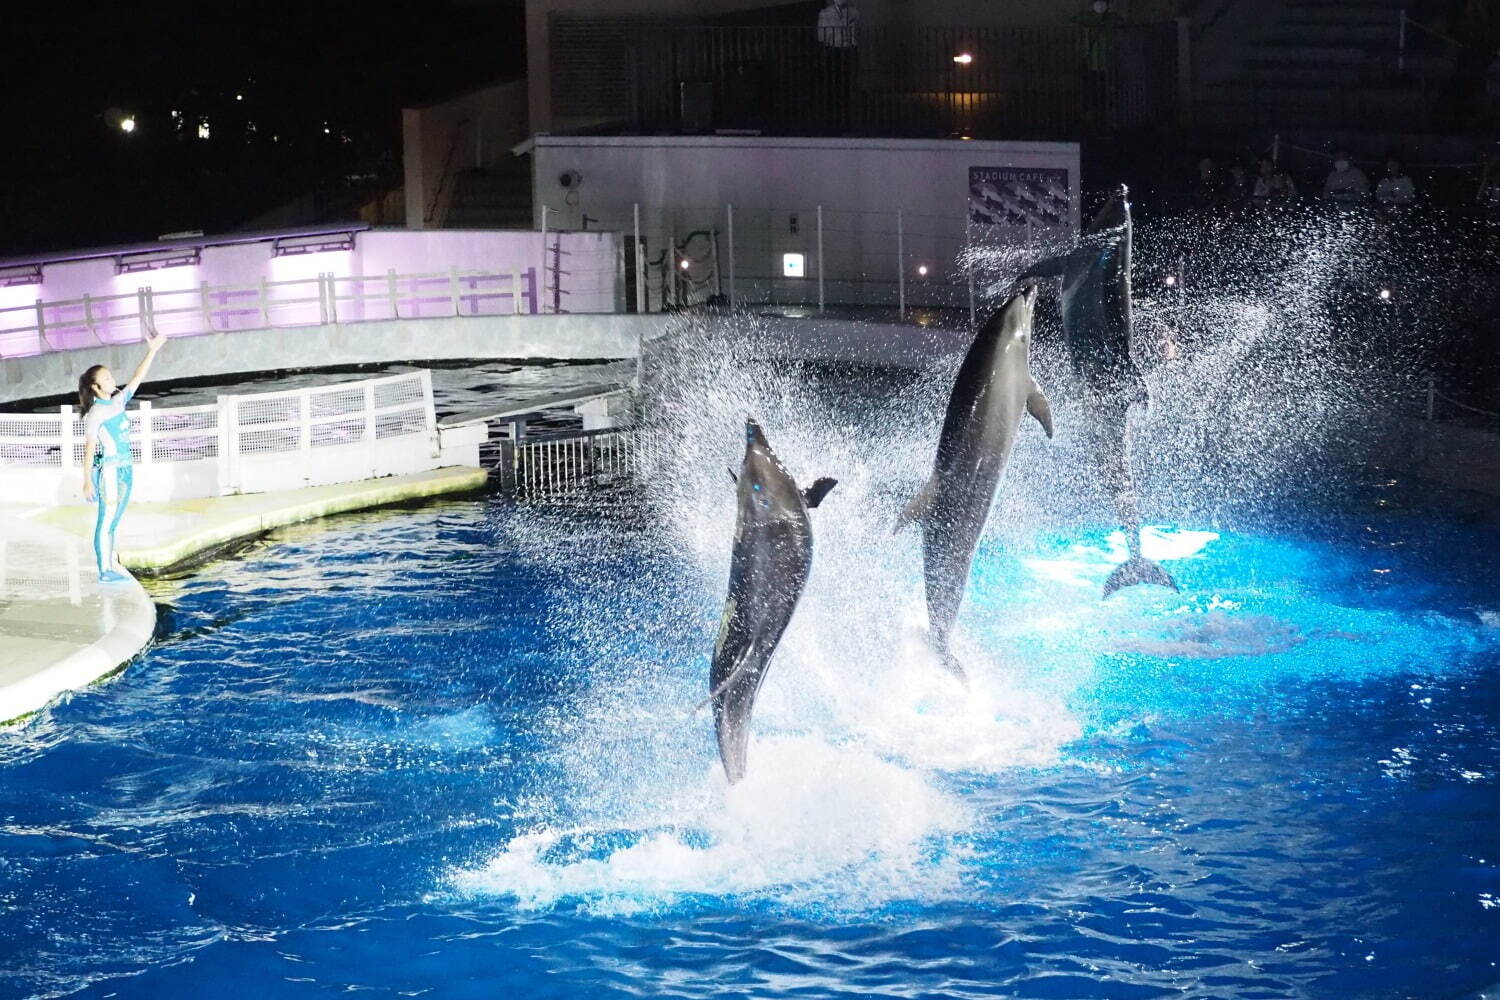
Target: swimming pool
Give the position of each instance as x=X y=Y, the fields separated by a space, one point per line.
x=452 y=751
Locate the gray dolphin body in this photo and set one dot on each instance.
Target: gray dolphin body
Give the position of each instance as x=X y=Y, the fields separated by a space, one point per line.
x=1097 y=329
x=771 y=560
x=993 y=389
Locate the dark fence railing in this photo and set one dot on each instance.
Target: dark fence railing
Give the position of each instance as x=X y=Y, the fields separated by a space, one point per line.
x=1036 y=82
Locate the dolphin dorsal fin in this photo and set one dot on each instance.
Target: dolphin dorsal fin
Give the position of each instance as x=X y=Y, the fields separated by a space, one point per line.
x=1037 y=406
x=815 y=493
x=917 y=509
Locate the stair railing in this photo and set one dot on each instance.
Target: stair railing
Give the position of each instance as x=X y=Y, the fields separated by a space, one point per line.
x=447 y=172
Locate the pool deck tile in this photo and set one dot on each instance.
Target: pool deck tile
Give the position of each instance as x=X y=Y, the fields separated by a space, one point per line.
x=61 y=629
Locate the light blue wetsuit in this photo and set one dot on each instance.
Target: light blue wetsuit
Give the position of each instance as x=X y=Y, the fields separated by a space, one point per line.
x=108 y=426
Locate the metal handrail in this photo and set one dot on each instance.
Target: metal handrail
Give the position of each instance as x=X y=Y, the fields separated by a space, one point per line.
x=100 y=316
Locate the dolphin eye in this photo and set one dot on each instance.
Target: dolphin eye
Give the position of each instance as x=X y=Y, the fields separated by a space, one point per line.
x=755 y=487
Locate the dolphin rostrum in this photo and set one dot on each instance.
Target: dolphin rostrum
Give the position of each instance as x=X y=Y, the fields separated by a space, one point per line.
x=1097 y=329
x=771 y=560
x=993 y=388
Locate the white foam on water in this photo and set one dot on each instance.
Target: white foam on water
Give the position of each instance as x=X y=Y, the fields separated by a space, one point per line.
x=811 y=821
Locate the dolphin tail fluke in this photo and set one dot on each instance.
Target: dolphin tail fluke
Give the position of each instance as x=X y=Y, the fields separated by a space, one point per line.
x=917 y=509
x=950 y=663
x=815 y=493
x=1137 y=570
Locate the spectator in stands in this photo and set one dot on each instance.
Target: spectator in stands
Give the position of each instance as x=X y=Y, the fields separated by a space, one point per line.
x=1272 y=186
x=1096 y=27
x=1395 y=188
x=838 y=37
x=1237 y=188
x=1346 y=183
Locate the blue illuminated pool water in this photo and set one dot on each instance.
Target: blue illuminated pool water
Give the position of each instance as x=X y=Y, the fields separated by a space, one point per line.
x=451 y=752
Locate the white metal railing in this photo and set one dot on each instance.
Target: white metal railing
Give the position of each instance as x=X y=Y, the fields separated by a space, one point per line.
x=96 y=320
x=238 y=444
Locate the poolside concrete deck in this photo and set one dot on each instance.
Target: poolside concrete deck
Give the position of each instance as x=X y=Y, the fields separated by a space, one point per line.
x=60 y=628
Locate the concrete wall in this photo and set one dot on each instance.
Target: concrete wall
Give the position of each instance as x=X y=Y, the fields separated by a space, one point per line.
x=479 y=127
x=562 y=337
x=683 y=184
x=476 y=337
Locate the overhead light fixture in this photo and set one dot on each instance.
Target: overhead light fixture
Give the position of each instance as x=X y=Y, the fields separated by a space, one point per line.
x=127 y=124
x=963 y=58
x=24 y=274
x=154 y=260
x=291 y=246
x=793 y=265
x=922 y=270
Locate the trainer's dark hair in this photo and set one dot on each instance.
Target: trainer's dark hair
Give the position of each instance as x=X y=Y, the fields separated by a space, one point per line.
x=86 y=387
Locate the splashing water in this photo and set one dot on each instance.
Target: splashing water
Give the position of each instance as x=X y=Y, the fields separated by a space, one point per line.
x=855 y=715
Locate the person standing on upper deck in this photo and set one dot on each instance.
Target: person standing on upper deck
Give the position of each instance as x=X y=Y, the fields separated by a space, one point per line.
x=838 y=37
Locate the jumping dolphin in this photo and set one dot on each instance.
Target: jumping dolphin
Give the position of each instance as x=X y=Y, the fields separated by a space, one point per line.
x=1097 y=329
x=993 y=388
x=772 y=556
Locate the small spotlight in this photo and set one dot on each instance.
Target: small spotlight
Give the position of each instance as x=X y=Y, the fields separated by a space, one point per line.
x=239 y=97
x=963 y=58
x=684 y=265
x=1171 y=281
x=922 y=270
x=127 y=124
x=1385 y=295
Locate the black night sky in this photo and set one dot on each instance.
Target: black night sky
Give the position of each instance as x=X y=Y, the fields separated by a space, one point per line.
x=301 y=100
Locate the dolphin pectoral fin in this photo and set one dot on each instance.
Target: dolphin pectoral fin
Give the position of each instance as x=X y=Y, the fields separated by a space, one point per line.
x=917 y=508
x=1138 y=570
x=739 y=669
x=815 y=493
x=1037 y=406
x=733 y=478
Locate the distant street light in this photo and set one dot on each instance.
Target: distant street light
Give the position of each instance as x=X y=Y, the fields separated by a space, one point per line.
x=963 y=58
x=127 y=124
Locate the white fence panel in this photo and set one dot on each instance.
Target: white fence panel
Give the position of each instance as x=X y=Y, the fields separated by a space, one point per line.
x=241 y=444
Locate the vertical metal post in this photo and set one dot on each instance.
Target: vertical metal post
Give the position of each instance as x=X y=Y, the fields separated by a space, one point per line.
x=323 y=297
x=718 y=272
x=41 y=326
x=640 y=267
x=971 y=296
x=65 y=436
x=543 y=295
x=515 y=292
x=1276 y=150
x=729 y=218
x=820 y=258
x=390 y=287
x=453 y=288
x=333 y=298
x=1431 y=396
x=206 y=306
x=265 y=304
x=88 y=316
x=146 y=439
x=900 y=264
x=304 y=431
